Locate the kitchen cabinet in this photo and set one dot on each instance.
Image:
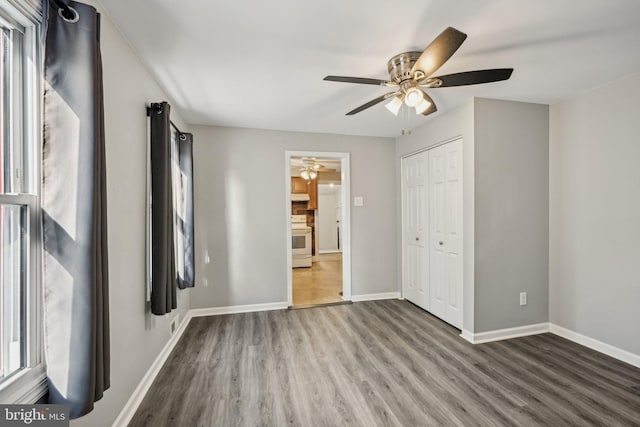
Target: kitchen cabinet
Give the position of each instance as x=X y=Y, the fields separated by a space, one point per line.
x=301 y=186
x=312 y=188
x=298 y=185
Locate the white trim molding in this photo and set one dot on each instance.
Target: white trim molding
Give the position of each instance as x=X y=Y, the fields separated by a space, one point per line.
x=594 y=344
x=130 y=408
x=345 y=221
x=374 y=297
x=541 y=328
x=25 y=387
x=505 y=334
x=467 y=335
x=233 y=309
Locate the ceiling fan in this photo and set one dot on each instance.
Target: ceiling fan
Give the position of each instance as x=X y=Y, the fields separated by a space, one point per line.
x=411 y=72
x=310 y=168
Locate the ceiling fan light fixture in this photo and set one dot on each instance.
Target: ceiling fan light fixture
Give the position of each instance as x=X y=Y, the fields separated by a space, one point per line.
x=305 y=174
x=394 y=105
x=313 y=174
x=413 y=97
x=423 y=106
x=411 y=71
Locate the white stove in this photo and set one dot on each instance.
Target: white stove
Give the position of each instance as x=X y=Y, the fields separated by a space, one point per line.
x=299 y=222
x=300 y=242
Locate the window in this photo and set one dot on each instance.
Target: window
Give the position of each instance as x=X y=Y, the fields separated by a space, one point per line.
x=20 y=330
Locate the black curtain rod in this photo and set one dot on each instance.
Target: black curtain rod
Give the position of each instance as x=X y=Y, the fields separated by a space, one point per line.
x=158 y=108
x=180 y=133
x=66 y=11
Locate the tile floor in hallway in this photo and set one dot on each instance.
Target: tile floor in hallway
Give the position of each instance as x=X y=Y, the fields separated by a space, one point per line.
x=319 y=284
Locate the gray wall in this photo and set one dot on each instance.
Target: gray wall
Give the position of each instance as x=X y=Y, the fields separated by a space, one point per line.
x=240 y=213
x=511 y=213
x=136 y=335
x=594 y=272
x=455 y=123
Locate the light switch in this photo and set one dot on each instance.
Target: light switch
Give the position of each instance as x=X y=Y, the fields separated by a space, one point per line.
x=358 y=201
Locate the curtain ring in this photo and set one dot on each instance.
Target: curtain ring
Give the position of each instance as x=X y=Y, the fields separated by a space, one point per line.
x=71 y=20
x=183 y=137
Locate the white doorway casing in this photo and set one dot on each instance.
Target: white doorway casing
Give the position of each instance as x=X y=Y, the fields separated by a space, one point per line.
x=345 y=221
x=432 y=212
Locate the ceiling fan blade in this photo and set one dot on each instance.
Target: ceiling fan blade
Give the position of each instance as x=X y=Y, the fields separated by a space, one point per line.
x=360 y=80
x=372 y=103
x=432 y=108
x=475 y=77
x=439 y=51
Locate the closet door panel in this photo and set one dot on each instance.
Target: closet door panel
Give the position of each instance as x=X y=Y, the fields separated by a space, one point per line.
x=415 y=230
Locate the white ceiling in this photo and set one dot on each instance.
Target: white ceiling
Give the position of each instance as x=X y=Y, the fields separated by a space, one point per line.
x=260 y=64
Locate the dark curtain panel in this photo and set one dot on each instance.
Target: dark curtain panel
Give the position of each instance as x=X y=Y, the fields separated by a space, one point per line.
x=185 y=214
x=163 y=266
x=75 y=266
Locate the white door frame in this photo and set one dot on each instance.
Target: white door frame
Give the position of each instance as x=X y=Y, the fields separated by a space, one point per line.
x=345 y=221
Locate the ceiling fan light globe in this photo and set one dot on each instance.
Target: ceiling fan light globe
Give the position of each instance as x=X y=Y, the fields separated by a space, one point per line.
x=413 y=97
x=423 y=106
x=394 y=105
x=304 y=174
x=313 y=174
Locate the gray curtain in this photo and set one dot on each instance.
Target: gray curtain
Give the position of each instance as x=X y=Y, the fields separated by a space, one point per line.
x=185 y=214
x=163 y=268
x=75 y=265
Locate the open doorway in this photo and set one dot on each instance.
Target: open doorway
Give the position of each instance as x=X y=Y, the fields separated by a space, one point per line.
x=318 y=228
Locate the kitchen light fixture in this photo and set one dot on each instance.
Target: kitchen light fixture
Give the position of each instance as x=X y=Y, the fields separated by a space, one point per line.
x=308 y=174
x=309 y=170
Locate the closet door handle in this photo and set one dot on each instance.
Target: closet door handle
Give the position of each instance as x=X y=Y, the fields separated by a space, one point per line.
x=441 y=243
x=417 y=239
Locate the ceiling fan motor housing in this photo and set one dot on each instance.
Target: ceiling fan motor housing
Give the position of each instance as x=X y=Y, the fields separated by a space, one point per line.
x=400 y=66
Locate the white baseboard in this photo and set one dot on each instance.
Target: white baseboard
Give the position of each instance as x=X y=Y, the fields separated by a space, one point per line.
x=594 y=344
x=136 y=398
x=130 y=408
x=233 y=309
x=505 y=334
x=467 y=335
x=540 y=328
x=374 y=297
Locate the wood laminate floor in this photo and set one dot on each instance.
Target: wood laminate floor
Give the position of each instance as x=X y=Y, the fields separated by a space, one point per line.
x=319 y=284
x=380 y=363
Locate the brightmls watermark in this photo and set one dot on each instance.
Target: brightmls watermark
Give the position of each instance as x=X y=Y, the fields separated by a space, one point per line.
x=34 y=415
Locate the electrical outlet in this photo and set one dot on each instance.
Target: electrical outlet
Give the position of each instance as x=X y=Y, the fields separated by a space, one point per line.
x=523 y=298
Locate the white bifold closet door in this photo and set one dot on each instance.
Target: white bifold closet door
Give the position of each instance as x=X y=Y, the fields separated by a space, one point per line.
x=432 y=257
x=415 y=257
x=445 y=229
